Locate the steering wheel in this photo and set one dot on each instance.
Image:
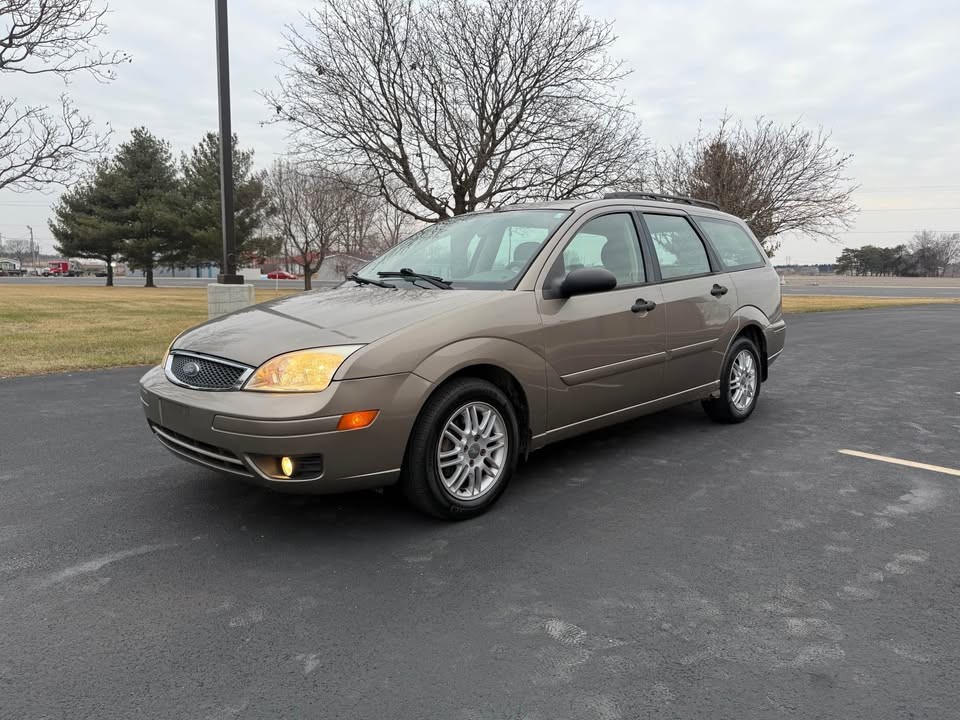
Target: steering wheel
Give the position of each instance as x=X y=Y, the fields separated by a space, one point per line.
x=515 y=266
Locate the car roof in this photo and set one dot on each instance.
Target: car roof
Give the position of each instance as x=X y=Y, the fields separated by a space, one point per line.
x=691 y=206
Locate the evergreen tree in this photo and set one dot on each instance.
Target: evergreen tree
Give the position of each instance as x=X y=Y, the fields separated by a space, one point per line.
x=82 y=228
x=147 y=203
x=201 y=190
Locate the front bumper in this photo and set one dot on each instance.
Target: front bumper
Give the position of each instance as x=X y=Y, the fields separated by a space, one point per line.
x=238 y=432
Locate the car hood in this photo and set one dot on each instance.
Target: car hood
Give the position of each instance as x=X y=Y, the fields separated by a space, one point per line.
x=348 y=315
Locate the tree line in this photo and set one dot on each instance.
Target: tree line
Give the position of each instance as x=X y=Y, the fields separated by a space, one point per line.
x=928 y=254
x=414 y=110
x=142 y=207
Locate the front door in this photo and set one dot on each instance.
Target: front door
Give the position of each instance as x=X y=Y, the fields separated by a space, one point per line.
x=698 y=300
x=606 y=349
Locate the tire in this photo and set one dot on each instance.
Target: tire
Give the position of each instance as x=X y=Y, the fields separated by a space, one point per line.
x=732 y=407
x=460 y=490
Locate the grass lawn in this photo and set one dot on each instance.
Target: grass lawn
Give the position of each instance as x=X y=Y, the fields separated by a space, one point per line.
x=45 y=329
x=821 y=303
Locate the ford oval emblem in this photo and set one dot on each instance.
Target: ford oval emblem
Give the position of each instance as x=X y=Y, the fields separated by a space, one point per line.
x=191 y=370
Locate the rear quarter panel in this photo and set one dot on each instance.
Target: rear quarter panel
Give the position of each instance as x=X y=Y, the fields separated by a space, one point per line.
x=760 y=288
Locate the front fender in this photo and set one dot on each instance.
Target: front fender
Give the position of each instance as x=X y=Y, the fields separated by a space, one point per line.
x=526 y=366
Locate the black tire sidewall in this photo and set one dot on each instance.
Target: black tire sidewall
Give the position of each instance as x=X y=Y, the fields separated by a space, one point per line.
x=422 y=468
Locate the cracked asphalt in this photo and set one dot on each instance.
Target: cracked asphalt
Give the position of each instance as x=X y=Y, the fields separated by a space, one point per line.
x=666 y=568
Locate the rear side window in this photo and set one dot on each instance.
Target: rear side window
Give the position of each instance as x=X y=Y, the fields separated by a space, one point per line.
x=736 y=249
x=679 y=249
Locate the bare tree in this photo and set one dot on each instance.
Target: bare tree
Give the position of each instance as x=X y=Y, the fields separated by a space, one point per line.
x=307 y=212
x=16 y=248
x=932 y=253
x=451 y=105
x=391 y=225
x=359 y=216
x=777 y=178
x=38 y=145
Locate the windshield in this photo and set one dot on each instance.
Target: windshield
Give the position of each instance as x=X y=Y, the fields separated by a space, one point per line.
x=484 y=251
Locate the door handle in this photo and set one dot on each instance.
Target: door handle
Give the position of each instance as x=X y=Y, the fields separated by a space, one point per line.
x=718 y=290
x=642 y=305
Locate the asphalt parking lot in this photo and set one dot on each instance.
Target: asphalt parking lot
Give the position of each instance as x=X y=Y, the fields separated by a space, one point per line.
x=668 y=568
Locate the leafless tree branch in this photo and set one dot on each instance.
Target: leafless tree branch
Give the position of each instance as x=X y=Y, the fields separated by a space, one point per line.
x=777 y=178
x=451 y=105
x=40 y=146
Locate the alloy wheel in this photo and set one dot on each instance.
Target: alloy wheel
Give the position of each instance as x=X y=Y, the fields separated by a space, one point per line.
x=472 y=451
x=743 y=380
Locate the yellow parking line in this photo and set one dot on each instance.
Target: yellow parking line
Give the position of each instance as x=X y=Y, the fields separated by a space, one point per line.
x=898 y=461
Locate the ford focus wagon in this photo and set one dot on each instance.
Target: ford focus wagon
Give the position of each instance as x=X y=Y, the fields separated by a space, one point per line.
x=446 y=360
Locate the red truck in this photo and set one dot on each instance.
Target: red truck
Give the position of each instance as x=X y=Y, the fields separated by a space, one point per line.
x=64 y=268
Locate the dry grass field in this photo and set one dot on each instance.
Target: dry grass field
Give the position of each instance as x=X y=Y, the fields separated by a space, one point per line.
x=823 y=303
x=46 y=329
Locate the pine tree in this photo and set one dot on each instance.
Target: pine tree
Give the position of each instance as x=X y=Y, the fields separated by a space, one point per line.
x=82 y=228
x=148 y=203
x=201 y=189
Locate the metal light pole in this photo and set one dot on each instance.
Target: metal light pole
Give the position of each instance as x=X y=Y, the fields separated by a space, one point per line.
x=228 y=269
x=33 y=251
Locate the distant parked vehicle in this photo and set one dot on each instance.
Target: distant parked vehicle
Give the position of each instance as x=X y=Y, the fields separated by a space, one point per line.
x=281 y=275
x=11 y=268
x=64 y=268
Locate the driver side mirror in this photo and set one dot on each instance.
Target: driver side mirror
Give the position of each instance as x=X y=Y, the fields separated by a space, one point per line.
x=583 y=281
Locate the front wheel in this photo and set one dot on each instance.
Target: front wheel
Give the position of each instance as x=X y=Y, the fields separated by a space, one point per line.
x=739 y=384
x=463 y=450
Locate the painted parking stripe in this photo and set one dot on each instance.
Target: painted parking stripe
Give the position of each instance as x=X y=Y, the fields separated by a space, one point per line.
x=905 y=463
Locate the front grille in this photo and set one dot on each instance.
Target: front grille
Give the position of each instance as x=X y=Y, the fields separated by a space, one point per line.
x=200 y=452
x=207 y=373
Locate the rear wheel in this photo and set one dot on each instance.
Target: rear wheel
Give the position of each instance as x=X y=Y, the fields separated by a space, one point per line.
x=739 y=384
x=463 y=450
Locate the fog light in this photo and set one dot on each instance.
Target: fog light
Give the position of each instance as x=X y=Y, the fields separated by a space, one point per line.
x=357 y=420
x=286 y=466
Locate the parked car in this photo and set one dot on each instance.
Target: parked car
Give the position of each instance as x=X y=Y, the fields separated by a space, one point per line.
x=445 y=361
x=11 y=268
x=281 y=275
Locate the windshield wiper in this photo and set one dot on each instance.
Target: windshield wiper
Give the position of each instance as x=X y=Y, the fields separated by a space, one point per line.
x=367 y=281
x=407 y=273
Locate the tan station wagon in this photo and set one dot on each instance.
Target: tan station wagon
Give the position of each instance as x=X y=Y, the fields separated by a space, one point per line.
x=447 y=359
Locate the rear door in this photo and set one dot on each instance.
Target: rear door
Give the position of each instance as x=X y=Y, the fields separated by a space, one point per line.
x=699 y=300
x=607 y=348
x=743 y=257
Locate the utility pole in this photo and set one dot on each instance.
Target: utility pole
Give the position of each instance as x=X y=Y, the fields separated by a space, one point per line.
x=33 y=253
x=228 y=271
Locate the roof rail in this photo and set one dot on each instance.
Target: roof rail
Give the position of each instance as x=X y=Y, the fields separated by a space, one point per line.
x=663 y=198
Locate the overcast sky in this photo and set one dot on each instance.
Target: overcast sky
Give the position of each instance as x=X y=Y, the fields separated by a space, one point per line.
x=883 y=75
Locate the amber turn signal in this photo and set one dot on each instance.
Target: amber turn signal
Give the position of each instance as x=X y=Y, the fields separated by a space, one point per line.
x=357 y=420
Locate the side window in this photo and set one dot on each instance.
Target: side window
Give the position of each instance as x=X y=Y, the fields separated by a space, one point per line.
x=679 y=249
x=609 y=241
x=736 y=249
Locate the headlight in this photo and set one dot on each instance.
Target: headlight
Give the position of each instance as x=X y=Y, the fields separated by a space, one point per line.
x=163 y=362
x=300 y=371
